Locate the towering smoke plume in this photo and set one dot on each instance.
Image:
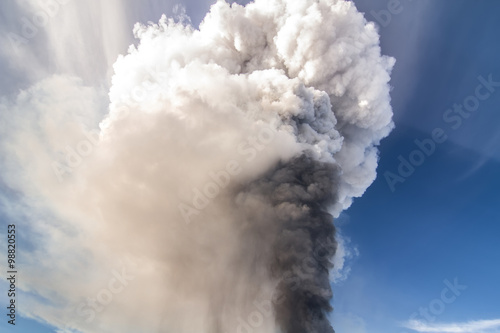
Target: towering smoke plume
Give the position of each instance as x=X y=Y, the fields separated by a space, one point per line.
x=216 y=171
x=298 y=193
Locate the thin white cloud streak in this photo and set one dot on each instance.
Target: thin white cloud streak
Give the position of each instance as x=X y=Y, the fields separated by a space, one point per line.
x=34 y=48
x=476 y=326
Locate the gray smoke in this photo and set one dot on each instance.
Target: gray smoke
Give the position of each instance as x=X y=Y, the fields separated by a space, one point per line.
x=299 y=193
x=217 y=168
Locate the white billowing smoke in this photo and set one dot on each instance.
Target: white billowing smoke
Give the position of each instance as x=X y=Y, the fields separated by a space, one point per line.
x=204 y=202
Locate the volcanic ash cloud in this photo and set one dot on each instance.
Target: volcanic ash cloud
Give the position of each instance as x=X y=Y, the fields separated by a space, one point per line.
x=226 y=152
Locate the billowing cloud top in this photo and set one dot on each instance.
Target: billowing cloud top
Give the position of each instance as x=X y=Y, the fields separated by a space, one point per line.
x=204 y=201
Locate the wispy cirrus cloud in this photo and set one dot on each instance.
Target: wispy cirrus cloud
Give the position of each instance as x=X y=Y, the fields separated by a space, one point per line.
x=476 y=326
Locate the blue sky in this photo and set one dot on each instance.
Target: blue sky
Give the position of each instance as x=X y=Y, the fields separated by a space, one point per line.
x=442 y=223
